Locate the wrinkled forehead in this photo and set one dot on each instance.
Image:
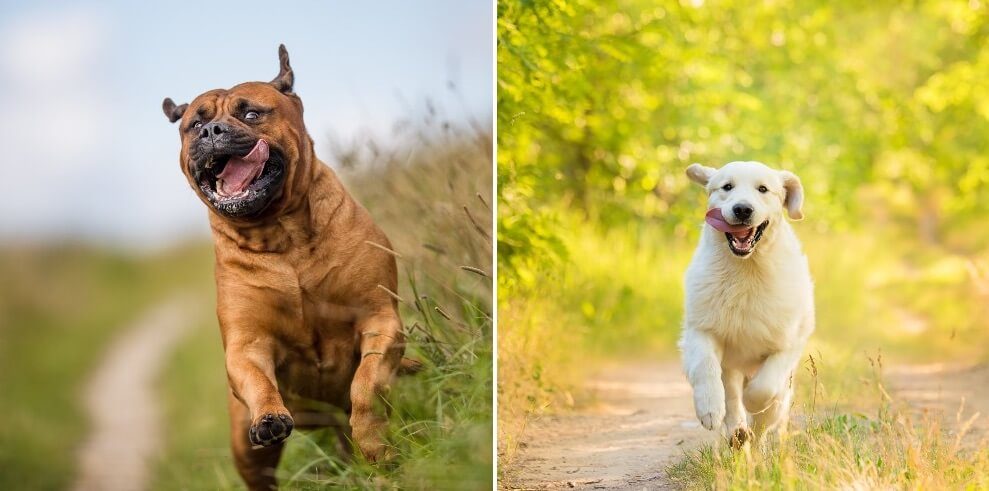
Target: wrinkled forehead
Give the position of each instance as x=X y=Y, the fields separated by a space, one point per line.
x=743 y=173
x=255 y=95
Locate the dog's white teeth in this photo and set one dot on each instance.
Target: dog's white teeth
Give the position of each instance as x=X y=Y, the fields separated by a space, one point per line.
x=743 y=244
x=225 y=195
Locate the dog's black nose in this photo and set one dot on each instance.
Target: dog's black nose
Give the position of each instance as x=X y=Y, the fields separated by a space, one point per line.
x=742 y=211
x=215 y=128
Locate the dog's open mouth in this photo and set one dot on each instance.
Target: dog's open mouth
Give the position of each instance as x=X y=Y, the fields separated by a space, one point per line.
x=242 y=185
x=742 y=238
x=743 y=242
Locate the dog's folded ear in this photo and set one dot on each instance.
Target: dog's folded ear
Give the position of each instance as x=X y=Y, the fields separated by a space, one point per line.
x=285 y=79
x=794 y=199
x=173 y=112
x=700 y=173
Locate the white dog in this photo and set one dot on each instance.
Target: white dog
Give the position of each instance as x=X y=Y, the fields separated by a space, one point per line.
x=749 y=300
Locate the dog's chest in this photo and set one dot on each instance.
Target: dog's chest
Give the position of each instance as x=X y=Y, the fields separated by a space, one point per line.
x=751 y=316
x=321 y=370
x=320 y=348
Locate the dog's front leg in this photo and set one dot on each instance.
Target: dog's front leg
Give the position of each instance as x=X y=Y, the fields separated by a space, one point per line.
x=702 y=364
x=256 y=465
x=735 y=418
x=381 y=349
x=251 y=374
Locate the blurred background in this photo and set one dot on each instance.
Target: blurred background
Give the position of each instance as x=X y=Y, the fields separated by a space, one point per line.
x=99 y=229
x=881 y=108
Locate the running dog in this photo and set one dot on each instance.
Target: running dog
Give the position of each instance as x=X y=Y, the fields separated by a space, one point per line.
x=749 y=300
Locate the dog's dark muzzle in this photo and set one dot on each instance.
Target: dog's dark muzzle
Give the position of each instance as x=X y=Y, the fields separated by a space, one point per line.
x=212 y=152
x=214 y=141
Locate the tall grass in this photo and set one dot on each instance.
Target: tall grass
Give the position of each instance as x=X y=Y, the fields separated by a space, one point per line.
x=429 y=188
x=848 y=444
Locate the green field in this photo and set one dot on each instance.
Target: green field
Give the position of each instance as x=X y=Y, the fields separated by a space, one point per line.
x=59 y=307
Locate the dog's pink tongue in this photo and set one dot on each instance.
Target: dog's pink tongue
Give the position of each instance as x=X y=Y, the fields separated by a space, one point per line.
x=240 y=171
x=715 y=219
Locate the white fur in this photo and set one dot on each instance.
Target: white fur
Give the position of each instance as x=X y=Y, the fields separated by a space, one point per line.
x=747 y=319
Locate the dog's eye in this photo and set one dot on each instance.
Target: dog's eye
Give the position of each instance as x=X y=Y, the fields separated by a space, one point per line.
x=251 y=115
x=727 y=187
x=197 y=125
x=763 y=189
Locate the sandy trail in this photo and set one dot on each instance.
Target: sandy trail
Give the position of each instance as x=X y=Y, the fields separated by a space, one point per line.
x=640 y=421
x=957 y=392
x=121 y=402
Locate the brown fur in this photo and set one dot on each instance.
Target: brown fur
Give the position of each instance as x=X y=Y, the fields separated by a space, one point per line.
x=302 y=311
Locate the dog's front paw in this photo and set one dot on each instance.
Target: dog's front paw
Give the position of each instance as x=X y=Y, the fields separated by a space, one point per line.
x=368 y=432
x=709 y=402
x=270 y=429
x=739 y=437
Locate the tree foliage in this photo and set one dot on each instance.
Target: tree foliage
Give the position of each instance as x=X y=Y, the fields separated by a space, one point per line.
x=881 y=107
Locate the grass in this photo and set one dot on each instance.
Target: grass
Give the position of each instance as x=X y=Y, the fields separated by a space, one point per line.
x=599 y=304
x=440 y=424
x=429 y=191
x=193 y=392
x=843 y=451
x=878 y=290
x=885 y=445
x=59 y=306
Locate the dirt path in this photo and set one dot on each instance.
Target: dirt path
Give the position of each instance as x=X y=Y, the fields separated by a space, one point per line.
x=958 y=392
x=122 y=404
x=640 y=421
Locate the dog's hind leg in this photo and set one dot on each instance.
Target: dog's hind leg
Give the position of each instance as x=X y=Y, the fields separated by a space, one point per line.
x=771 y=381
x=769 y=394
x=775 y=417
x=255 y=465
x=381 y=348
x=735 y=416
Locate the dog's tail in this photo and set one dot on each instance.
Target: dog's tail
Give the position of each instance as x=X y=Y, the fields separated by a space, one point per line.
x=410 y=366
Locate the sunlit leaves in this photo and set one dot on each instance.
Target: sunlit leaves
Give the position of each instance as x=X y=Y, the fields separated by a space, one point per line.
x=602 y=105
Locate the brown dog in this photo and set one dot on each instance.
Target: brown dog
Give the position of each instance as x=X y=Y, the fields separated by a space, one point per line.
x=303 y=275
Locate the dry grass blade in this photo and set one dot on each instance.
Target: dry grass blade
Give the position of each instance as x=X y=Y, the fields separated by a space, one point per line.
x=436 y=249
x=477 y=227
x=383 y=248
x=483 y=202
x=476 y=271
x=443 y=313
x=418 y=305
x=393 y=294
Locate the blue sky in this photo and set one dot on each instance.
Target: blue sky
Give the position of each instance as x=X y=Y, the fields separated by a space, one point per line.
x=89 y=153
